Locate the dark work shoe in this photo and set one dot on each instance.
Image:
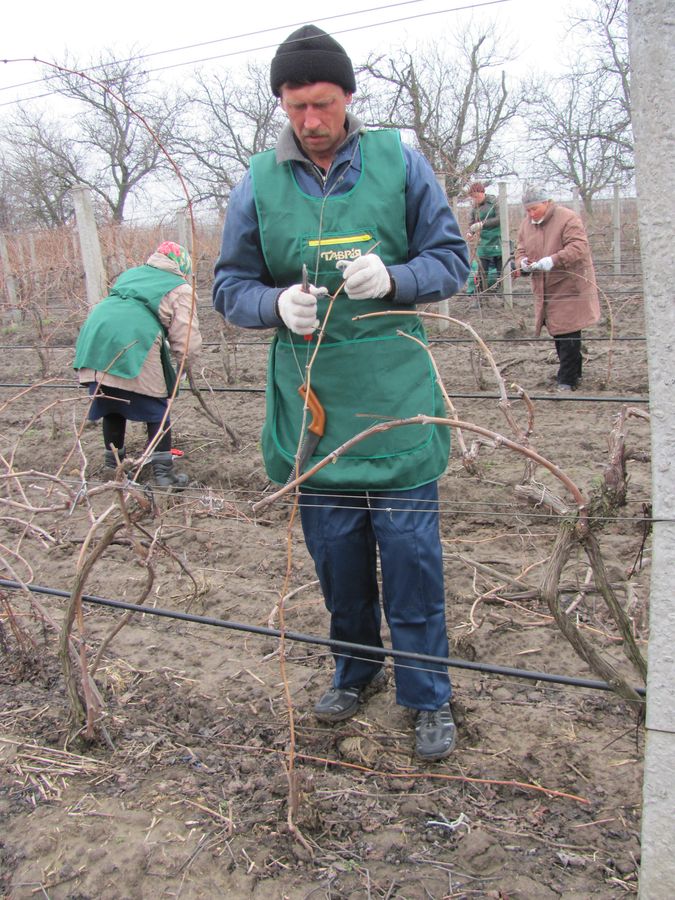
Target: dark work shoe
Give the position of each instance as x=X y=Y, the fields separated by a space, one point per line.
x=110 y=462
x=435 y=733
x=165 y=477
x=341 y=703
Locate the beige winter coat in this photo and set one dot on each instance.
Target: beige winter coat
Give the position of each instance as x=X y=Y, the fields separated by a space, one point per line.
x=566 y=298
x=175 y=313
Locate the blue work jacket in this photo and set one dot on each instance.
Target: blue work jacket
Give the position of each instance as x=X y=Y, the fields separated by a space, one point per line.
x=244 y=292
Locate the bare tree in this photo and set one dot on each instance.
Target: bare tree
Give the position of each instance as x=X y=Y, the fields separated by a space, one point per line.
x=456 y=105
x=602 y=29
x=126 y=124
x=229 y=121
x=110 y=142
x=573 y=137
x=40 y=165
x=580 y=122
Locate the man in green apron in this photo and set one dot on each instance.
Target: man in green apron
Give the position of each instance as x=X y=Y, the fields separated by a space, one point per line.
x=360 y=209
x=485 y=230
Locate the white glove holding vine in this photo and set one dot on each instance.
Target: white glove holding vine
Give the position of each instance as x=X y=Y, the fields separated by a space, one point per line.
x=297 y=308
x=365 y=277
x=545 y=264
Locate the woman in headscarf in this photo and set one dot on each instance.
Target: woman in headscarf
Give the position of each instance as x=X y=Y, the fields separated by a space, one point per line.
x=122 y=354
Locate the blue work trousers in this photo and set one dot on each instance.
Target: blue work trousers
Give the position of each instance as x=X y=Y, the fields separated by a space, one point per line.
x=343 y=534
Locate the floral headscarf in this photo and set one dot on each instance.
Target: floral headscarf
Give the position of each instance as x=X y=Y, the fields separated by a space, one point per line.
x=178 y=254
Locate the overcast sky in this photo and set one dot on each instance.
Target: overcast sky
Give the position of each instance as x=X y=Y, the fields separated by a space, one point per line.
x=176 y=36
x=233 y=32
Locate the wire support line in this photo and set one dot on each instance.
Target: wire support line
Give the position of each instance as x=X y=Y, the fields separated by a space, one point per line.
x=522 y=295
x=469 y=395
x=460 y=299
x=299 y=637
x=464 y=298
x=233 y=37
x=432 y=340
x=245 y=500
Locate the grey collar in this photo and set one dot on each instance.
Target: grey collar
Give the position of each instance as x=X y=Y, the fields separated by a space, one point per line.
x=287 y=147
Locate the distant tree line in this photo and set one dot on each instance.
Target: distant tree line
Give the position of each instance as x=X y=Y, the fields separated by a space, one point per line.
x=453 y=100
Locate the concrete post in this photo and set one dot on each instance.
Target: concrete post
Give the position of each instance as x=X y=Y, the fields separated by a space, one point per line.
x=576 y=201
x=90 y=247
x=35 y=280
x=183 y=230
x=10 y=279
x=616 y=229
x=507 y=284
x=443 y=307
x=652 y=59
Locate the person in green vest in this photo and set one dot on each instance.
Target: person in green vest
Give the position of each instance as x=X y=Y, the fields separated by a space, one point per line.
x=123 y=354
x=358 y=210
x=485 y=231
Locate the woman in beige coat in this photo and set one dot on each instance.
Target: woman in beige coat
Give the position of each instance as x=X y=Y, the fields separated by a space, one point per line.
x=553 y=247
x=122 y=353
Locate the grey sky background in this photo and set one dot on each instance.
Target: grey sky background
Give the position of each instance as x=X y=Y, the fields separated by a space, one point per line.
x=175 y=38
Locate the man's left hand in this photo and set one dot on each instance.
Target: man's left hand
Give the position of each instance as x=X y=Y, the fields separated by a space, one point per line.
x=365 y=277
x=545 y=264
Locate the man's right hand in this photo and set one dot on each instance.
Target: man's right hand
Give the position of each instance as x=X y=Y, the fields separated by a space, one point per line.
x=525 y=264
x=297 y=308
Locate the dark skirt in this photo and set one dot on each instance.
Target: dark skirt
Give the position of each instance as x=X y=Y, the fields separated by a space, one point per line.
x=136 y=407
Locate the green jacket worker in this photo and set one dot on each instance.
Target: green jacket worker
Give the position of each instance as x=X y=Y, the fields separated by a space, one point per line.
x=357 y=208
x=123 y=354
x=484 y=227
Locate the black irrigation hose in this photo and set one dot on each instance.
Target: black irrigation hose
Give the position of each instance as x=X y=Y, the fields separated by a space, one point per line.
x=451 y=662
x=473 y=395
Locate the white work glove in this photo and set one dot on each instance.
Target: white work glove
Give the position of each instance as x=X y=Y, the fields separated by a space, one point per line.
x=545 y=264
x=525 y=265
x=475 y=227
x=298 y=308
x=365 y=277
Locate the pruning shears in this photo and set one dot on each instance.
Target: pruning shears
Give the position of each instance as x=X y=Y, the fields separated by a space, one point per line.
x=317 y=425
x=315 y=429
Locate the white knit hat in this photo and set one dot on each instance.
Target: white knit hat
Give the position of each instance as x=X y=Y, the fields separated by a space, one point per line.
x=535 y=193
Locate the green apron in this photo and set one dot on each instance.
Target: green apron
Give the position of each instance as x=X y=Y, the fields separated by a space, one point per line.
x=364 y=372
x=490 y=243
x=120 y=330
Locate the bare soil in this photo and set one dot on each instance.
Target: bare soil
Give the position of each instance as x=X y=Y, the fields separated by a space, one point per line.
x=184 y=791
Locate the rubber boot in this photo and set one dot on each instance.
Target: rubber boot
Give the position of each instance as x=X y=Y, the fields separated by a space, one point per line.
x=110 y=463
x=165 y=477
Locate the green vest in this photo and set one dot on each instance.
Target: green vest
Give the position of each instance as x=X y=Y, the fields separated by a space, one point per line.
x=490 y=243
x=120 y=330
x=364 y=373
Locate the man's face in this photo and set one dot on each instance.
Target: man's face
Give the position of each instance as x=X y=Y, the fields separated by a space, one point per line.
x=536 y=211
x=317 y=116
x=477 y=197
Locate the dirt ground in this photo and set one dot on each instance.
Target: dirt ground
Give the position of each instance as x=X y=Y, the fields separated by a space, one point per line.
x=184 y=791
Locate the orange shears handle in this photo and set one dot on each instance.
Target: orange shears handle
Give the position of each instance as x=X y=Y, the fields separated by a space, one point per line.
x=318 y=424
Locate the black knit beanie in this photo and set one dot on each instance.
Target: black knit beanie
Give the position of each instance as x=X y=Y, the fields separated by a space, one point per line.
x=310 y=55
